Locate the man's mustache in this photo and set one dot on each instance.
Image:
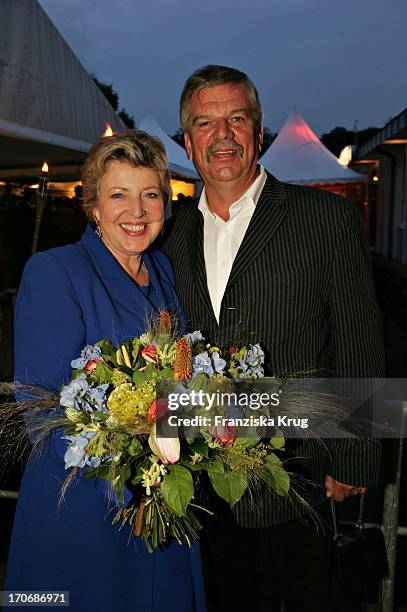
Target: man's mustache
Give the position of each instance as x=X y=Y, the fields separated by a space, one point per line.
x=224 y=144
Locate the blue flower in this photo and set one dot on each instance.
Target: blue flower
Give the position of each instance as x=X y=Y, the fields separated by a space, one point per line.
x=219 y=364
x=194 y=337
x=88 y=353
x=75 y=455
x=252 y=362
x=92 y=461
x=72 y=394
x=202 y=364
x=97 y=396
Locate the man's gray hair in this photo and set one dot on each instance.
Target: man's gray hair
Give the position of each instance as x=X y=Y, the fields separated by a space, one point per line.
x=210 y=76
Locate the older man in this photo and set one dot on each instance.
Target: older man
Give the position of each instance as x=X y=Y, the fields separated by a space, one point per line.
x=288 y=267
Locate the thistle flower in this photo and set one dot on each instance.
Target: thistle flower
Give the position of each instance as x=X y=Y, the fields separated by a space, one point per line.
x=165 y=324
x=183 y=360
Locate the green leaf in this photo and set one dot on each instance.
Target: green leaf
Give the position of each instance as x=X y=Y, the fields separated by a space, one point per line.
x=138 y=378
x=76 y=373
x=103 y=373
x=135 y=447
x=177 y=488
x=150 y=371
x=166 y=373
x=191 y=516
x=106 y=347
x=199 y=382
x=277 y=442
x=274 y=460
x=124 y=474
x=228 y=485
x=102 y=471
x=136 y=479
x=135 y=347
x=108 y=351
x=246 y=442
x=196 y=467
x=190 y=434
x=199 y=446
x=274 y=474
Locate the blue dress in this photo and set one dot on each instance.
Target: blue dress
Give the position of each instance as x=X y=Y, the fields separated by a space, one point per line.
x=69 y=297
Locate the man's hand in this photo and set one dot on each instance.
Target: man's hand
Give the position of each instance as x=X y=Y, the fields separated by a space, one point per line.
x=340 y=491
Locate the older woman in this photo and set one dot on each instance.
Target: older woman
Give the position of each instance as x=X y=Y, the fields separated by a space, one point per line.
x=107 y=285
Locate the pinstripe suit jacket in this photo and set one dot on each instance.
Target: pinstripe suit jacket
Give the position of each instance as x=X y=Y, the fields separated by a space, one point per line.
x=301 y=285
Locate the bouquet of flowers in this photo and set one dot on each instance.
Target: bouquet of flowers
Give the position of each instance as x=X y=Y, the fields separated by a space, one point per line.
x=113 y=408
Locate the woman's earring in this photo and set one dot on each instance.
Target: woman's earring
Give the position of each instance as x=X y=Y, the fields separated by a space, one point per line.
x=98 y=229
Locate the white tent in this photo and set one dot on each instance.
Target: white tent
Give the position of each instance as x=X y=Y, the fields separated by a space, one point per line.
x=177 y=157
x=298 y=156
x=50 y=107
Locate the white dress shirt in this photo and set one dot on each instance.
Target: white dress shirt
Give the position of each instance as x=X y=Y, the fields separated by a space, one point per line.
x=222 y=239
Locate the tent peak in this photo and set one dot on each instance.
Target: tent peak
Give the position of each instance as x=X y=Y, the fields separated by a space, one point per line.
x=298 y=156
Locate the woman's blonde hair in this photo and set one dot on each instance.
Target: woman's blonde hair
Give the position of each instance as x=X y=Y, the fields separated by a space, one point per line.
x=133 y=147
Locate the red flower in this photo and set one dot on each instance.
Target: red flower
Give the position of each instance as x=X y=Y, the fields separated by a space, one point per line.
x=91 y=364
x=234 y=349
x=149 y=354
x=158 y=409
x=225 y=434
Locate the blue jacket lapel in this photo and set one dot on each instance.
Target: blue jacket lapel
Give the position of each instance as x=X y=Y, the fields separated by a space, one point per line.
x=119 y=284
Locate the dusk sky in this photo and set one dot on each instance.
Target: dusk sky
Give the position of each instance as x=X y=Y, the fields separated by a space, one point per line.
x=338 y=61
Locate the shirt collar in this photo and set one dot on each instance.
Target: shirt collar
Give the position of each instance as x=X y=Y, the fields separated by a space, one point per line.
x=248 y=200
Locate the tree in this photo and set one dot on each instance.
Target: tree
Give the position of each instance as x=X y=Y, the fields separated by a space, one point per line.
x=178 y=137
x=340 y=137
x=113 y=98
x=268 y=138
x=127 y=119
x=337 y=139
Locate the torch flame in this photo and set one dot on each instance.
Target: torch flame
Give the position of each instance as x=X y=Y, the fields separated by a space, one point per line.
x=44 y=167
x=108 y=131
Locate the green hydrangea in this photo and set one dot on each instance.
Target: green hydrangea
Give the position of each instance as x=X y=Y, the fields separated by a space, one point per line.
x=119 y=378
x=129 y=405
